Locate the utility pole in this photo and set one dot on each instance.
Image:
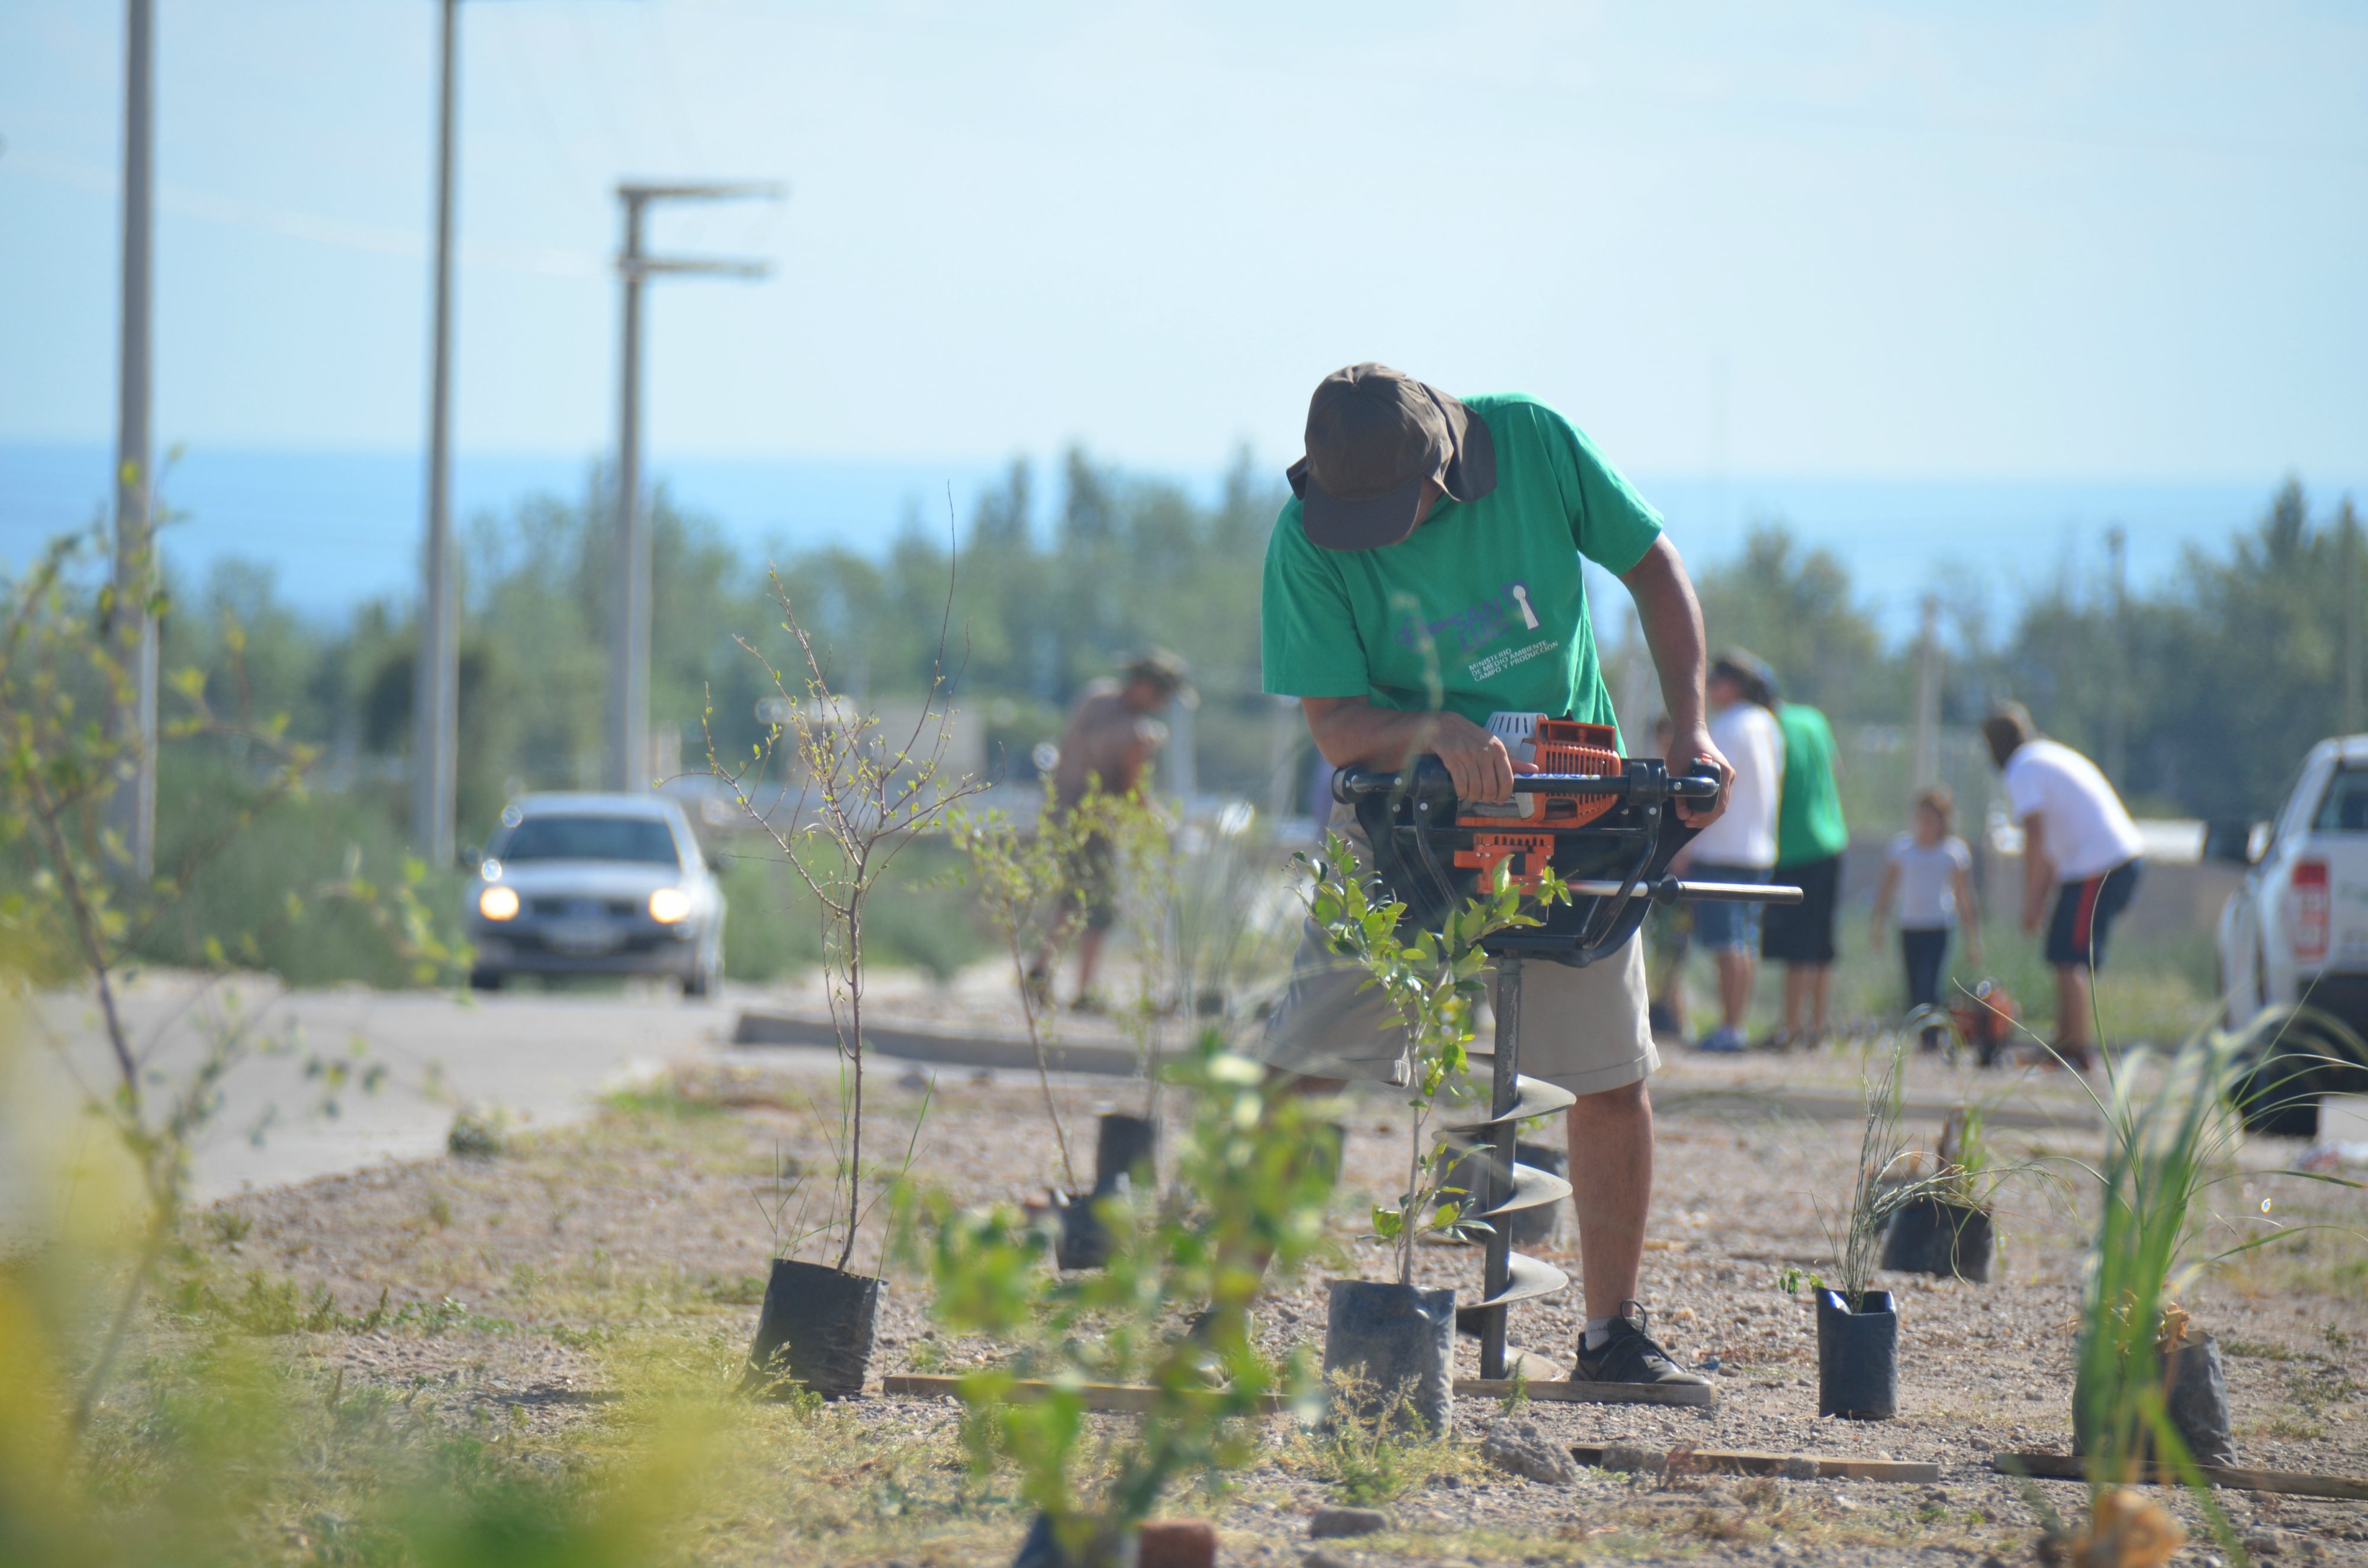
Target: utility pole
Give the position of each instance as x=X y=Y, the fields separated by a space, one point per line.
x=436 y=685
x=629 y=627
x=2117 y=697
x=1928 y=696
x=131 y=809
x=2349 y=620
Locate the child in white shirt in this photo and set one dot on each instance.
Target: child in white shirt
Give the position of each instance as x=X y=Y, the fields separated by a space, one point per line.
x=1929 y=873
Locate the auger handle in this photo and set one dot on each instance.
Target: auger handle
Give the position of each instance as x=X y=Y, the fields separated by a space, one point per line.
x=1432 y=782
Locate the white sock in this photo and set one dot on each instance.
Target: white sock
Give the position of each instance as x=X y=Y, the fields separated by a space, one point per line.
x=1599 y=1331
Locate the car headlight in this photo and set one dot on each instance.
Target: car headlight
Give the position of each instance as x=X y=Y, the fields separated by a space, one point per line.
x=669 y=905
x=499 y=903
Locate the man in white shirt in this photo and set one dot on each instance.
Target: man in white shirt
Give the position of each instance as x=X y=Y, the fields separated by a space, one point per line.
x=2076 y=838
x=1740 y=846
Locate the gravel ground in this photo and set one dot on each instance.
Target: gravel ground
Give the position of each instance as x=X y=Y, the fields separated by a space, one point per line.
x=651 y=1217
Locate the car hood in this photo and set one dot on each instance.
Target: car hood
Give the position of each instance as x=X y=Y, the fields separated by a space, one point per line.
x=591 y=879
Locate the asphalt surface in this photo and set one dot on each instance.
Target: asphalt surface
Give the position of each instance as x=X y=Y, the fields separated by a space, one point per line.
x=545 y=1058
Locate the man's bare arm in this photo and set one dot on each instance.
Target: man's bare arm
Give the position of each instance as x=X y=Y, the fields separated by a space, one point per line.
x=1672 y=617
x=2038 y=870
x=1351 y=733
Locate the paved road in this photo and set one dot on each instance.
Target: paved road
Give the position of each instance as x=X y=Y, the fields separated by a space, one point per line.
x=546 y=1058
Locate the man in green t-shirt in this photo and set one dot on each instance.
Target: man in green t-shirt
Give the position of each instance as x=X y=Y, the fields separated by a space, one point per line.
x=1810 y=838
x=1425 y=575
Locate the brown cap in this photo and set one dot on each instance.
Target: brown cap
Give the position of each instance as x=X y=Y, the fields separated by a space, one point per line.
x=1374 y=437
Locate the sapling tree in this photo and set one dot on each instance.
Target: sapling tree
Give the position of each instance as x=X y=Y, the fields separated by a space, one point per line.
x=1246 y=1207
x=1432 y=980
x=854 y=797
x=1028 y=890
x=79 y=907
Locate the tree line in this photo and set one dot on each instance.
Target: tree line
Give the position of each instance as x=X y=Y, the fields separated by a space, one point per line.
x=2200 y=692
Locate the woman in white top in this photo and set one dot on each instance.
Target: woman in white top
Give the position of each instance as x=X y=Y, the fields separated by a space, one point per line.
x=1740 y=846
x=1931 y=873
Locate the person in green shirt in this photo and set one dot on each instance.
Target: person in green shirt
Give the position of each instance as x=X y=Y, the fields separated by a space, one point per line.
x=1810 y=838
x=1424 y=575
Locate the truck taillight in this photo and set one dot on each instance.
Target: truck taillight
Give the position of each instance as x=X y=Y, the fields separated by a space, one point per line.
x=2307 y=911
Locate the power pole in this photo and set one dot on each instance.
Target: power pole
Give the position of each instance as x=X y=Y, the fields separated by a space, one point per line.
x=629 y=627
x=436 y=686
x=1928 y=696
x=131 y=809
x=2117 y=695
x=2350 y=621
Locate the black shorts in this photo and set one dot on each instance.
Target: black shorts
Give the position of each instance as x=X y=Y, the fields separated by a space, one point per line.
x=1803 y=932
x=2085 y=911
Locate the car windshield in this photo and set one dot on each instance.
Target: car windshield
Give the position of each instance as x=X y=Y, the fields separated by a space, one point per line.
x=642 y=839
x=2345 y=806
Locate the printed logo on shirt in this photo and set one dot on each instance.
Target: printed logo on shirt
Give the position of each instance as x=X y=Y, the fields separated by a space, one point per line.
x=1467 y=630
x=1498 y=663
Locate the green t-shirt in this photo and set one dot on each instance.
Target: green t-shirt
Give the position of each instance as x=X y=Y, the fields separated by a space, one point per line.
x=1809 y=814
x=1484 y=608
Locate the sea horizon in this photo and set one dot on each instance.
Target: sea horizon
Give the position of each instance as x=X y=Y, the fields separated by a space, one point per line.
x=339 y=529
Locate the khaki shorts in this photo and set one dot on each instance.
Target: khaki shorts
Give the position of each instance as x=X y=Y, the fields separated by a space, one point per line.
x=1585 y=1030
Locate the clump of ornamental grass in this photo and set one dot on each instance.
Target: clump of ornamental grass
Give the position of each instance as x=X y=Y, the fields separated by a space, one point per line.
x=2171 y=1138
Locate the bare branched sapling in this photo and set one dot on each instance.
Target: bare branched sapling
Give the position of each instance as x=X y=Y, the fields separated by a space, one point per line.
x=860 y=797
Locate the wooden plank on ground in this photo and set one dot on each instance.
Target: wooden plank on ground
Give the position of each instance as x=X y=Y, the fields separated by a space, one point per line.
x=1590 y=1393
x=2297 y=1483
x=1130 y=1399
x=1745 y=1461
x=1137 y=1397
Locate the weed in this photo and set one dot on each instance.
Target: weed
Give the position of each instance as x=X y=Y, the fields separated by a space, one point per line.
x=227 y=1227
x=479 y=1133
x=746 y=1290
x=439 y=1211
x=1372 y=1449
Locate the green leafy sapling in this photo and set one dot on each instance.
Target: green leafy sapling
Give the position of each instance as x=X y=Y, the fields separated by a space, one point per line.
x=1246 y=1207
x=1432 y=980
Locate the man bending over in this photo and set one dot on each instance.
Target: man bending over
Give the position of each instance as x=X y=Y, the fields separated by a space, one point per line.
x=1424 y=575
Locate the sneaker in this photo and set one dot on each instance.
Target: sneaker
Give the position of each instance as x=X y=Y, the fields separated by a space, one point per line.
x=1663 y=1021
x=1629 y=1355
x=1722 y=1040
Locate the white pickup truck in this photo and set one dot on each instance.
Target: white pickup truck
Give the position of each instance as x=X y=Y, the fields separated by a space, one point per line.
x=2296 y=934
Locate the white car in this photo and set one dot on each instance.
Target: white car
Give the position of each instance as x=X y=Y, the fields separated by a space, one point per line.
x=2296 y=932
x=596 y=885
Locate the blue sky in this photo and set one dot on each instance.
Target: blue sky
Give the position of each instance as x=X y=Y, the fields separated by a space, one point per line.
x=2012 y=240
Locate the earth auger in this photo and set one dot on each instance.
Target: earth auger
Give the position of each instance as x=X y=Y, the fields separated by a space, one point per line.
x=1608 y=827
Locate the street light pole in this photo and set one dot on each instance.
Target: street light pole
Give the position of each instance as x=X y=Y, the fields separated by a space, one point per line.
x=131 y=809
x=436 y=709
x=628 y=629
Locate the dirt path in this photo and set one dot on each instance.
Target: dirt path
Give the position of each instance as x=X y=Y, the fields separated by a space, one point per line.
x=518 y=1270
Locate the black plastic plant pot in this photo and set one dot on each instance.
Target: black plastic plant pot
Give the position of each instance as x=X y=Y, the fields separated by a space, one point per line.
x=1933 y=1236
x=1526 y=1227
x=2195 y=1397
x=814 y=1332
x=1078 y=1239
x=1038 y=1549
x=1124 y=1146
x=1388 y=1353
x=1857 y=1356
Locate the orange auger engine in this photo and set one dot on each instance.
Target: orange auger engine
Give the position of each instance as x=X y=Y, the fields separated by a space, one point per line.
x=1561 y=746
